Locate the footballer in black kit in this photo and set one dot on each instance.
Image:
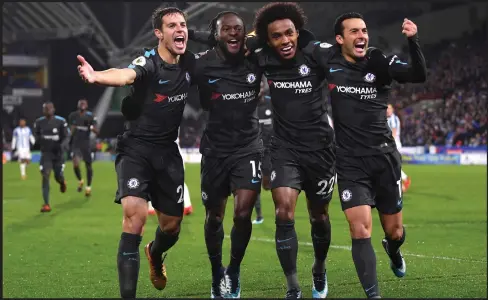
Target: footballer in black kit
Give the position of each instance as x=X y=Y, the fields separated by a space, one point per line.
x=368 y=162
x=302 y=148
x=148 y=163
x=82 y=123
x=229 y=85
x=53 y=135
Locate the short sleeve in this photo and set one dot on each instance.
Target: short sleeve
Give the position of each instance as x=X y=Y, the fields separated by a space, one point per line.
x=144 y=66
x=320 y=52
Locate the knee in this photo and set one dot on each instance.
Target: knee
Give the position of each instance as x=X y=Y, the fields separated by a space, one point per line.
x=242 y=217
x=171 y=226
x=320 y=222
x=88 y=166
x=359 y=229
x=395 y=232
x=213 y=221
x=284 y=212
x=135 y=214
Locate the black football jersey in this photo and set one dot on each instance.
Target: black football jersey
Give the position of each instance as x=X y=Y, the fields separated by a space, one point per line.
x=162 y=89
x=296 y=89
x=359 y=102
x=81 y=125
x=51 y=134
x=229 y=92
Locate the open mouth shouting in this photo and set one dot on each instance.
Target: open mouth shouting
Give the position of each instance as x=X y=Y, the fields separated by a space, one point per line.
x=233 y=45
x=360 y=47
x=180 y=42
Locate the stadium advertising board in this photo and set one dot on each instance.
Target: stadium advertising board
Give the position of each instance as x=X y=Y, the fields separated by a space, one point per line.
x=431 y=159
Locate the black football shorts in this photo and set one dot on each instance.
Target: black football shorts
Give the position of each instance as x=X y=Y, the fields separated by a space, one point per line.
x=220 y=176
x=371 y=180
x=310 y=171
x=155 y=174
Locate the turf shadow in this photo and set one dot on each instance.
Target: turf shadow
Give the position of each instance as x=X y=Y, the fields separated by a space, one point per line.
x=42 y=220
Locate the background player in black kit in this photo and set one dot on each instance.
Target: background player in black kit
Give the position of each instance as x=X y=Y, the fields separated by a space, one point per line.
x=265 y=112
x=148 y=164
x=368 y=163
x=53 y=134
x=302 y=147
x=82 y=123
x=229 y=86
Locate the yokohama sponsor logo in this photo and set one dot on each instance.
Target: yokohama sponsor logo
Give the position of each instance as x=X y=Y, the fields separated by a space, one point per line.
x=175 y=98
x=290 y=85
x=247 y=96
x=355 y=90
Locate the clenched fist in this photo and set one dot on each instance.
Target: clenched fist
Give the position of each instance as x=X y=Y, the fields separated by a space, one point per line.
x=409 y=28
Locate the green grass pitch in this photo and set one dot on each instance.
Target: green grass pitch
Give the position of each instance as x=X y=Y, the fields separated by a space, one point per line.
x=71 y=252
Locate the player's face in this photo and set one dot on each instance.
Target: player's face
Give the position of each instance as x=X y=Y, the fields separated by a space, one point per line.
x=22 y=123
x=389 y=110
x=354 y=39
x=82 y=105
x=48 y=109
x=230 y=34
x=174 y=33
x=283 y=37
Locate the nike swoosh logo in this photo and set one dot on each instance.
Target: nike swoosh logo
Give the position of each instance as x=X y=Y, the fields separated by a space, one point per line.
x=334 y=70
x=213 y=81
x=401 y=62
x=129 y=253
x=163 y=81
x=254 y=181
x=281 y=241
x=367 y=290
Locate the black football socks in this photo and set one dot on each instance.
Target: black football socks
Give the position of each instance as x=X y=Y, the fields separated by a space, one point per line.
x=321 y=236
x=239 y=236
x=162 y=243
x=89 y=173
x=287 y=249
x=214 y=236
x=45 y=189
x=365 y=261
x=128 y=263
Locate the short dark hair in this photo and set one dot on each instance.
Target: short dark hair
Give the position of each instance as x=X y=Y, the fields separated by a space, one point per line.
x=159 y=13
x=339 y=27
x=278 y=11
x=213 y=25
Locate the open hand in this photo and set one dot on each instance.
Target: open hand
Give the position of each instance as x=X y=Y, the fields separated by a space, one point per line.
x=85 y=70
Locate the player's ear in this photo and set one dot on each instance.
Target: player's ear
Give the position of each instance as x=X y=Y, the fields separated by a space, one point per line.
x=339 y=39
x=158 y=34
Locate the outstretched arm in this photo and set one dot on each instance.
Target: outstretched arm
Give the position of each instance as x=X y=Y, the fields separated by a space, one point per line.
x=110 y=77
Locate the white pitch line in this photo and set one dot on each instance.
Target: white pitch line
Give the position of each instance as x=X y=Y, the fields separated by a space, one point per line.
x=349 y=249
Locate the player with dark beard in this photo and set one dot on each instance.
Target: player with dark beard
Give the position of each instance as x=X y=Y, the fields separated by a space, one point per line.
x=148 y=163
x=368 y=162
x=229 y=85
x=53 y=134
x=82 y=123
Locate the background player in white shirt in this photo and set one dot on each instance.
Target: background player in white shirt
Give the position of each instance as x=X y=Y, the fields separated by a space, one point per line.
x=394 y=123
x=186 y=193
x=21 y=144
